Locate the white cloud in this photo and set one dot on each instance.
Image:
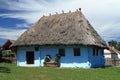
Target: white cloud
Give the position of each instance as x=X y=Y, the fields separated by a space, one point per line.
x=103 y=14
x=34 y=9
x=110 y=31
x=29 y=17
x=10 y=33
x=24 y=25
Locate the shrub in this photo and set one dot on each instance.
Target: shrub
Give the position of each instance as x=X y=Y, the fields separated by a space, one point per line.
x=57 y=58
x=8 y=53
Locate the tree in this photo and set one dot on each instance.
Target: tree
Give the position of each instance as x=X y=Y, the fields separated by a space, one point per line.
x=115 y=44
x=112 y=43
x=118 y=46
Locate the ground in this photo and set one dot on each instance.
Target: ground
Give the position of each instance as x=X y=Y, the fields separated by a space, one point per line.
x=13 y=72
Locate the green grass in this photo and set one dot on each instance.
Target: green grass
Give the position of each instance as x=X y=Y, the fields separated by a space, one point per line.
x=13 y=72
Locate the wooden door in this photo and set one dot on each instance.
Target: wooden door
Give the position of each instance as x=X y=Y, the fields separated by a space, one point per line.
x=30 y=57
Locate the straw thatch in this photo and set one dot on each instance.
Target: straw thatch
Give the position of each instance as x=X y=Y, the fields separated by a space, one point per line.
x=61 y=29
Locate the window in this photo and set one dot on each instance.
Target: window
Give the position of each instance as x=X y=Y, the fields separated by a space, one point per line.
x=102 y=53
x=36 y=48
x=62 y=52
x=76 y=51
x=95 y=51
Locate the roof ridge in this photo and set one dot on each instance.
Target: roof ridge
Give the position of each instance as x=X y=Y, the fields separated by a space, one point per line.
x=56 y=13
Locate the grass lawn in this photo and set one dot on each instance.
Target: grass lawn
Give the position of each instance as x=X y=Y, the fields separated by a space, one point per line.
x=13 y=72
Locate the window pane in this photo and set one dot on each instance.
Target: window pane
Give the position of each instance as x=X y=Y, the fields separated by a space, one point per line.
x=93 y=51
x=97 y=52
x=76 y=51
x=62 y=52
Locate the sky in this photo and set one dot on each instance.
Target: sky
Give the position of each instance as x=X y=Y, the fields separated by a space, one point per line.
x=16 y=16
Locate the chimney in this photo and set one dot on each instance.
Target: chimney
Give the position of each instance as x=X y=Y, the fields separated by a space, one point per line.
x=50 y=14
x=79 y=9
x=62 y=11
x=56 y=13
x=69 y=11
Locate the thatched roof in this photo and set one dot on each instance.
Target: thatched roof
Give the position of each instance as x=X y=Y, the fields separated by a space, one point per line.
x=61 y=29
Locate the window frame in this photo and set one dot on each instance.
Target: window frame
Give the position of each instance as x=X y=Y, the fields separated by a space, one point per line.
x=95 y=51
x=77 y=52
x=62 y=52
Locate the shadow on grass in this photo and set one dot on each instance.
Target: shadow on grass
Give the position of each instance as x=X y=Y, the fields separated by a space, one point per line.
x=108 y=66
x=103 y=67
x=4 y=70
x=4 y=60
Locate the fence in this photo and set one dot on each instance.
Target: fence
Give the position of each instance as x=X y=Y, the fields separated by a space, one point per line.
x=112 y=62
x=8 y=59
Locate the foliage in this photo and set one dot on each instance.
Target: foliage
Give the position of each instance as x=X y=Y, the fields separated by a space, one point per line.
x=8 y=53
x=57 y=57
x=5 y=53
x=118 y=46
x=113 y=43
x=13 y=72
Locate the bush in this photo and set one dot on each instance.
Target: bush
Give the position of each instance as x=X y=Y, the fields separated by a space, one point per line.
x=57 y=58
x=8 y=53
x=5 y=53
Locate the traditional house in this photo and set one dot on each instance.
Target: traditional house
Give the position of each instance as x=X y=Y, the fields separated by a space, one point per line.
x=68 y=34
x=112 y=55
x=111 y=52
x=6 y=50
x=7 y=44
